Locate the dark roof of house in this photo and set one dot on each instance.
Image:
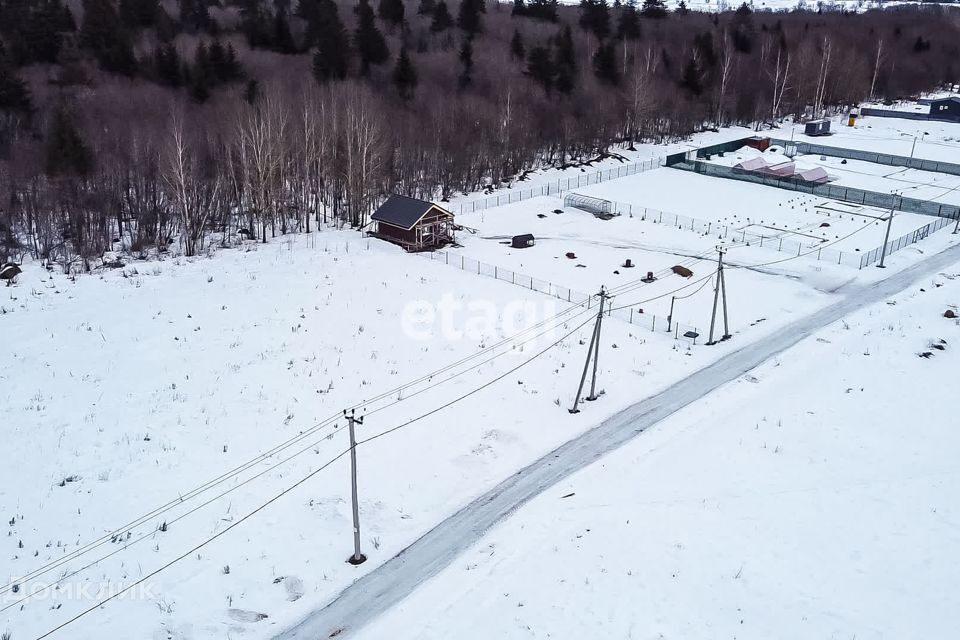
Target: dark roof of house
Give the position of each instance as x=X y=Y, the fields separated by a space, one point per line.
x=401 y=211
x=523 y=237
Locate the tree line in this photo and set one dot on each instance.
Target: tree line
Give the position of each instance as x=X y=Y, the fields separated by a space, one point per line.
x=134 y=124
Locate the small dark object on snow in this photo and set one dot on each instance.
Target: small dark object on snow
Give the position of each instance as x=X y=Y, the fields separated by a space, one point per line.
x=691 y=334
x=571 y=255
x=844 y=161
x=245 y=234
x=628 y=264
x=824 y=224
x=541 y=215
x=938 y=347
x=522 y=241
x=648 y=278
x=949 y=313
x=9 y=271
x=558 y=210
x=616 y=271
x=682 y=271
x=926 y=354
x=569 y=495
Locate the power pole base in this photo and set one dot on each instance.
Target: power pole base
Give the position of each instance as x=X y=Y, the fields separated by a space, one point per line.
x=573 y=410
x=881 y=266
x=355 y=560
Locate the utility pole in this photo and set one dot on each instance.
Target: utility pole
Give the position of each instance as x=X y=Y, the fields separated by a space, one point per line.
x=886 y=237
x=357 y=557
x=956 y=229
x=593 y=351
x=670 y=315
x=721 y=284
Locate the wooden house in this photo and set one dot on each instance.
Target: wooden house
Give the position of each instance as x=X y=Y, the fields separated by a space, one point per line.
x=415 y=225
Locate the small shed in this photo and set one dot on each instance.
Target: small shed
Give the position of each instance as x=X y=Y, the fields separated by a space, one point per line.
x=758 y=143
x=946 y=109
x=522 y=241
x=783 y=169
x=415 y=225
x=817 y=175
x=752 y=164
x=817 y=128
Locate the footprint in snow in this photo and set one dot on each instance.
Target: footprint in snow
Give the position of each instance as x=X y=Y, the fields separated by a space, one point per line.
x=752 y=379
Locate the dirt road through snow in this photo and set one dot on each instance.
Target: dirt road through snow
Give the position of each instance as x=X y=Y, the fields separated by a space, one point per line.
x=388 y=584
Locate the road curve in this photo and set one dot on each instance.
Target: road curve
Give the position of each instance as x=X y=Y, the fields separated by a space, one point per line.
x=390 y=583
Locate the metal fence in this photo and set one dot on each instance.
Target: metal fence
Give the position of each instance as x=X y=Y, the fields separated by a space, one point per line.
x=887 y=159
x=634 y=315
x=834 y=192
x=905 y=240
x=776 y=242
x=560 y=185
x=780 y=243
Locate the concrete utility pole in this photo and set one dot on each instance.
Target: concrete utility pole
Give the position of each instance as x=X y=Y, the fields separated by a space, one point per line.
x=721 y=284
x=673 y=299
x=886 y=236
x=956 y=229
x=357 y=557
x=593 y=351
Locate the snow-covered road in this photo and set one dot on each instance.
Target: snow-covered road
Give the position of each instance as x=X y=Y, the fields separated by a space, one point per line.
x=389 y=584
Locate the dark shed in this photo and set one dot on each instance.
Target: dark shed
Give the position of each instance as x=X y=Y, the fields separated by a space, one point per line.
x=415 y=225
x=817 y=128
x=945 y=109
x=522 y=241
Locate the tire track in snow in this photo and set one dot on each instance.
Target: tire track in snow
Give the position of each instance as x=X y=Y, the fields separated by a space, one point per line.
x=388 y=584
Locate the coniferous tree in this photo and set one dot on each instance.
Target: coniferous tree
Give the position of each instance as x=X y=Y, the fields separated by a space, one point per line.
x=469 y=19
x=67 y=153
x=540 y=67
x=628 y=26
x=104 y=36
x=139 y=14
x=251 y=93
x=519 y=8
x=542 y=10
x=605 y=64
x=595 y=17
x=566 y=62
x=466 y=64
x=200 y=75
x=682 y=9
x=368 y=39
x=517 y=48
x=167 y=65
x=404 y=75
x=442 y=20
x=742 y=30
x=282 y=37
x=332 y=59
x=195 y=16
x=391 y=12
x=14 y=94
x=691 y=80
x=654 y=9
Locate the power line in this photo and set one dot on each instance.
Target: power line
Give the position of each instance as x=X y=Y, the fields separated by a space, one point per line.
x=145 y=536
x=307 y=477
x=194 y=549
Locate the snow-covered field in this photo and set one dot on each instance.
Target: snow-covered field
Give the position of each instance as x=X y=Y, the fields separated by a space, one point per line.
x=123 y=392
x=756 y=209
x=814 y=498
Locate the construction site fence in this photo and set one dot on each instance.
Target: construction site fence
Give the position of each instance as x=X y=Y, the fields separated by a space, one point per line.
x=632 y=315
x=888 y=159
x=858 y=259
x=834 y=192
x=560 y=185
